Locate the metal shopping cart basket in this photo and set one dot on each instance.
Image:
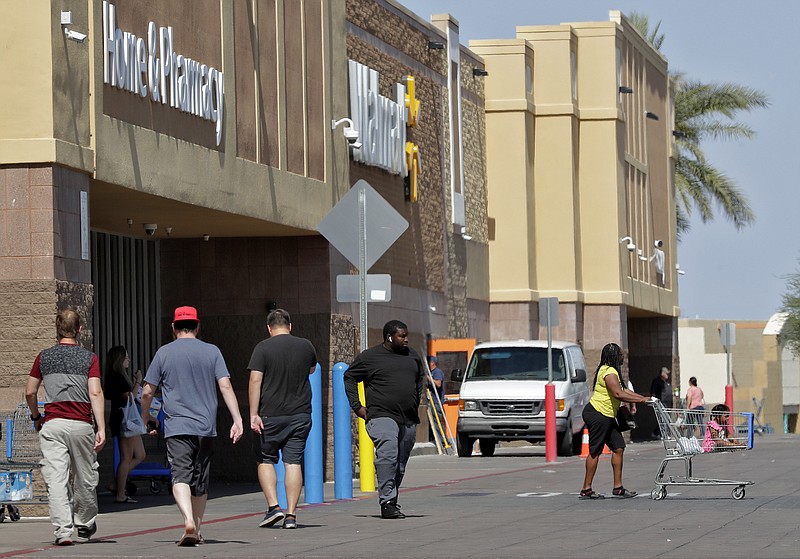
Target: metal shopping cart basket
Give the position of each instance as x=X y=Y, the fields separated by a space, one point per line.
x=21 y=457
x=680 y=429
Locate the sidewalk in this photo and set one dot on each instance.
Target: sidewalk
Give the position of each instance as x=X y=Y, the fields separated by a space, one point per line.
x=511 y=505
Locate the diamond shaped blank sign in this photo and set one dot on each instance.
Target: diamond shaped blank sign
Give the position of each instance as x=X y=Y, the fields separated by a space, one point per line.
x=382 y=224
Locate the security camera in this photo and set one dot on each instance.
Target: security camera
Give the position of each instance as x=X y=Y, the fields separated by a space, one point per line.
x=658 y=244
x=150 y=228
x=75 y=35
x=630 y=246
x=351 y=134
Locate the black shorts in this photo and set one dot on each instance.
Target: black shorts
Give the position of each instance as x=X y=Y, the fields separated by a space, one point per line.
x=189 y=459
x=603 y=430
x=285 y=433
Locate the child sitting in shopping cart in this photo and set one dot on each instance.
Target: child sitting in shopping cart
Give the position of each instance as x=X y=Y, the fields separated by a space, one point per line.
x=716 y=435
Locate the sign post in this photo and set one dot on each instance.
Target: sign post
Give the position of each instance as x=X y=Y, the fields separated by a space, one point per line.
x=548 y=316
x=362 y=214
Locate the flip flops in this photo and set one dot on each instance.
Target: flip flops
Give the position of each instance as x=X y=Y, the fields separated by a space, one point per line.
x=590 y=494
x=126 y=500
x=188 y=540
x=622 y=493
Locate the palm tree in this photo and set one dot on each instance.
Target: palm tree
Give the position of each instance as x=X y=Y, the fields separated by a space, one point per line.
x=703 y=111
x=790 y=333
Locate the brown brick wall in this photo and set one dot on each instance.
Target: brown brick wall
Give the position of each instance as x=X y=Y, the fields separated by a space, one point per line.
x=428 y=257
x=40 y=223
x=602 y=324
x=41 y=269
x=27 y=313
x=379 y=19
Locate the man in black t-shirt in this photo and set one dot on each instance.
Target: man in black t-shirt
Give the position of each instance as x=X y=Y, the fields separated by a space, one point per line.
x=280 y=412
x=393 y=377
x=661 y=389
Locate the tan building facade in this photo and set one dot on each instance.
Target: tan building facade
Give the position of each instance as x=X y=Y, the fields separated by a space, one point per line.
x=764 y=373
x=581 y=197
x=183 y=153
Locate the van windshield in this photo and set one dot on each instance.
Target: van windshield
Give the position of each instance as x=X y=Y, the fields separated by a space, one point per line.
x=515 y=363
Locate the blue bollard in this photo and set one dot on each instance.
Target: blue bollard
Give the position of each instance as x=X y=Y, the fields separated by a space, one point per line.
x=9 y=439
x=312 y=456
x=280 y=476
x=342 y=437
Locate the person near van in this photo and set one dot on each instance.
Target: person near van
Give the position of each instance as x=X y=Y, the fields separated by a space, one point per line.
x=662 y=389
x=438 y=383
x=600 y=417
x=67 y=435
x=696 y=405
x=394 y=379
x=118 y=387
x=280 y=412
x=189 y=371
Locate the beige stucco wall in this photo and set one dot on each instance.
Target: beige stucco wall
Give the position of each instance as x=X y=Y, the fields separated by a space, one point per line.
x=559 y=188
x=41 y=72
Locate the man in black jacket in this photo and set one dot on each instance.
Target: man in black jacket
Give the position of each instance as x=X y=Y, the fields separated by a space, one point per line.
x=393 y=376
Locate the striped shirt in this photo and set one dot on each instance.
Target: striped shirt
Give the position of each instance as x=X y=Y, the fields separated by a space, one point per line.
x=65 y=370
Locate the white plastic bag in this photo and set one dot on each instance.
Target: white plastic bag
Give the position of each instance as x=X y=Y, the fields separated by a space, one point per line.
x=690 y=445
x=132 y=424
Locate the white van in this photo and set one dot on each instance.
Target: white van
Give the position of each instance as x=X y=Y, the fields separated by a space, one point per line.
x=502 y=395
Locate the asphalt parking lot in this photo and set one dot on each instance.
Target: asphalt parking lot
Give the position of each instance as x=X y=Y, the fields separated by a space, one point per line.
x=511 y=505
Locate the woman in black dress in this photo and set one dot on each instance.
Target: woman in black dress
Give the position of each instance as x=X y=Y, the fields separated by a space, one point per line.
x=117 y=386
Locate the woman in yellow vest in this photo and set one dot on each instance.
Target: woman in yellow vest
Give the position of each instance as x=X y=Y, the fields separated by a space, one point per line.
x=600 y=416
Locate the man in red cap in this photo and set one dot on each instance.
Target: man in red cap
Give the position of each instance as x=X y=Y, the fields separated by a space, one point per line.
x=188 y=371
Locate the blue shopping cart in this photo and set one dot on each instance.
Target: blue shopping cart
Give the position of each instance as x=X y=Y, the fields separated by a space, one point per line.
x=155 y=469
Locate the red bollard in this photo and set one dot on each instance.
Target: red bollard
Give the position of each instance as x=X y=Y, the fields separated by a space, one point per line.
x=550 y=441
x=729 y=397
x=729 y=403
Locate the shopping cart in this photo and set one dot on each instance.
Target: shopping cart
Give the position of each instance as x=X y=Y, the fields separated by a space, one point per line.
x=758 y=426
x=156 y=469
x=680 y=429
x=21 y=457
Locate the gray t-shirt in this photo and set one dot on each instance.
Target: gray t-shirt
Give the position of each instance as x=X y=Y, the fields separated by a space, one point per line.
x=187 y=369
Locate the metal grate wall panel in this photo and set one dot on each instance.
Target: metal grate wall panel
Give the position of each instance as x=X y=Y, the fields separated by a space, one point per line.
x=126 y=278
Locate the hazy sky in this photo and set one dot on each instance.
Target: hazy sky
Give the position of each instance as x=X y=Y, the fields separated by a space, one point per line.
x=729 y=274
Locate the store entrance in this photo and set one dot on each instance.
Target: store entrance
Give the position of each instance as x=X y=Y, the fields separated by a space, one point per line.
x=126 y=279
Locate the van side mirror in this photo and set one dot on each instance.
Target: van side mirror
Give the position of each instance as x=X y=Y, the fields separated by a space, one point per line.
x=457 y=375
x=579 y=376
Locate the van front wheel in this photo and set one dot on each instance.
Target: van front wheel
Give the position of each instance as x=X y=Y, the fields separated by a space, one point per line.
x=565 y=441
x=487 y=446
x=463 y=445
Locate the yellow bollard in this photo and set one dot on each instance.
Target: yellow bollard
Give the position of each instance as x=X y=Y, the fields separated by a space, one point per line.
x=366 y=450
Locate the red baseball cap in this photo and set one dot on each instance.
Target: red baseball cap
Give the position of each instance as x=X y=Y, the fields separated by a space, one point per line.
x=186 y=313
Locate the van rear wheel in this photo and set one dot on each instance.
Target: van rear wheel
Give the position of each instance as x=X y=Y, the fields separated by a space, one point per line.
x=463 y=445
